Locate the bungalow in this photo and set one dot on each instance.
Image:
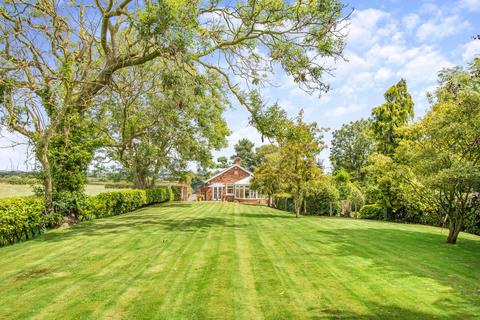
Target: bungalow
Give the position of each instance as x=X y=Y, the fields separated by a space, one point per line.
x=231 y=184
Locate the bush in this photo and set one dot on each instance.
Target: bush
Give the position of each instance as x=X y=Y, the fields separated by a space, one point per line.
x=177 y=193
x=283 y=202
x=21 y=219
x=371 y=211
x=325 y=201
x=18 y=180
x=118 y=202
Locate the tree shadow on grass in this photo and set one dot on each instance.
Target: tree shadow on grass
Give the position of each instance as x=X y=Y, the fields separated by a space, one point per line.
x=134 y=223
x=382 y=311
x=173 y=205
x=421 y=253
x=264 y=215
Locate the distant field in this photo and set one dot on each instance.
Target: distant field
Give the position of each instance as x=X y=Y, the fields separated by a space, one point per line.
x=13 y=190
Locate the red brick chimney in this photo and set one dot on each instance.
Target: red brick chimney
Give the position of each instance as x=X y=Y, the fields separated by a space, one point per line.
x=237 y=160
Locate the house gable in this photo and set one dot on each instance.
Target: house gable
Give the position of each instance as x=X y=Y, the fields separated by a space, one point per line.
x=232 y=174
x=229 y=175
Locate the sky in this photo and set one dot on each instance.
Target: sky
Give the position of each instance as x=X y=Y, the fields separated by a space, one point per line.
x=386 y=42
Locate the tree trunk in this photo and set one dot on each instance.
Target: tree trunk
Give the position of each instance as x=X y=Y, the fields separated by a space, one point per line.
x=454 y=229
x=47 y=179
x=297 y=204
x=48 y=192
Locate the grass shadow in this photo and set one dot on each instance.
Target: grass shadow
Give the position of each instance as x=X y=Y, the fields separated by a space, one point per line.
x=411 y=253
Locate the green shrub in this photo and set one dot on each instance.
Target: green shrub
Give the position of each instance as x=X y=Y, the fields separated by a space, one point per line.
x=118 y=202
x=21 y=219
x=371 y=211
x=18 y=180
x=325 y=200
x=283 y=202
x=177 y=193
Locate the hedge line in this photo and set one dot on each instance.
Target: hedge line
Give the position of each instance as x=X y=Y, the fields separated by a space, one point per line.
x=177 y=193
x=23 y=218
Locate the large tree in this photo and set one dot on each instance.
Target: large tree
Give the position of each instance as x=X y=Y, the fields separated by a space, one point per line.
x=297 y=160
x=244 y=150
x=393 y=114
x=57 y=57
x=443 y=149
x=267 y=178
x=351 y=146
x=152 y=131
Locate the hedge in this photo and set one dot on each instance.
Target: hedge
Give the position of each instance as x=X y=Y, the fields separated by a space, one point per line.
x=23 y=218
x=371 y=211
x=118 y=202
x=177 y=193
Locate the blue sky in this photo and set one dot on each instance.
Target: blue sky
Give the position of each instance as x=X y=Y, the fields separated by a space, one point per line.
x=386 y=42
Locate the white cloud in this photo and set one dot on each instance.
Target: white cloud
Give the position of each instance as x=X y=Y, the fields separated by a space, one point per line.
x=245 y=132
x=441 y=27
x=341 y=111
x=470 y=50
x=423 y=67
x=472 y=5
x=411 y=20
x=383 y=74
x=364 y=26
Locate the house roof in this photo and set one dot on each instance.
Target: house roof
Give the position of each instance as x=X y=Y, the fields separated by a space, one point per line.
x=245 y=180
x=229 y=168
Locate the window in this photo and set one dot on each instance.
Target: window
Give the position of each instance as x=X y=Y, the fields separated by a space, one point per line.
x=229 y=188
x=237 y=191
x=244 y=192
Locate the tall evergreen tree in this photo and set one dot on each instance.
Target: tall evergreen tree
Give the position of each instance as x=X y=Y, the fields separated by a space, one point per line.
x=244 y=150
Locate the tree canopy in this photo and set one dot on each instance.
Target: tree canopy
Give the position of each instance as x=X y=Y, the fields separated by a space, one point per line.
x=58 y=57
x=351 y=146
x=393 y=114
x=443 y=149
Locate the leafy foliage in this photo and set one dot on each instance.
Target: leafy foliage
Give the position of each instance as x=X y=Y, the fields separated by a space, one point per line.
x=443 y=149
x=351 y=146
x=372 y=211
x=23 y=218
x=297 y=160
x=388 y=117
x=244 y=150
x=119 y=202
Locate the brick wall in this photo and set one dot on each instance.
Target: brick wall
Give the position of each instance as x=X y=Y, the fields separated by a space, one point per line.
x=230 y=176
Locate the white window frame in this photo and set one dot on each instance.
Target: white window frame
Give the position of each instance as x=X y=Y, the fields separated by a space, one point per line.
x=233 y=189
x=240 y=192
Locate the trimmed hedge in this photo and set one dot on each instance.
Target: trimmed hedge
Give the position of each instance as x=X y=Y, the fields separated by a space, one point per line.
x=23 y=218
x=118 y=202
x=371 y=211
x=177 y=193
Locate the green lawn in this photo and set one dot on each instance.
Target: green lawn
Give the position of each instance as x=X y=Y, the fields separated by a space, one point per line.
x=225 y=261
x=21 y=190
